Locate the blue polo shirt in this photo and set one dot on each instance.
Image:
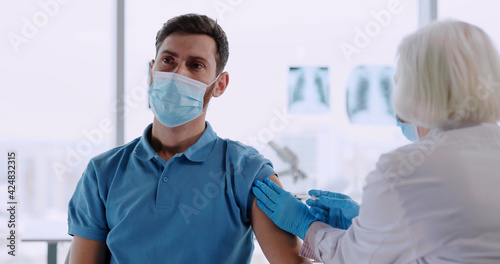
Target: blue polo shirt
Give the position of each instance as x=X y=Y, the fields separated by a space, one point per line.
x=195 y=208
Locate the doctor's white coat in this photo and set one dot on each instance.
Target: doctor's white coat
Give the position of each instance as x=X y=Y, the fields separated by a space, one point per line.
x=435 y=201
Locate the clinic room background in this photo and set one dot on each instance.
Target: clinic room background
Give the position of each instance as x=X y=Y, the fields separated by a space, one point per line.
x=310 y=89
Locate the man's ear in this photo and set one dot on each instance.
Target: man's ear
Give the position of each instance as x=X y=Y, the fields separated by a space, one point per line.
x=151 y=65
x=221 y=85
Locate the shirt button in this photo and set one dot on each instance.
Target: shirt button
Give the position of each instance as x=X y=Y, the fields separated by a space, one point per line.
x=165 y=179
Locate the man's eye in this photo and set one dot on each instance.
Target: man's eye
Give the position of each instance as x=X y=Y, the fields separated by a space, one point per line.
x=197 y=65
x=168 y=60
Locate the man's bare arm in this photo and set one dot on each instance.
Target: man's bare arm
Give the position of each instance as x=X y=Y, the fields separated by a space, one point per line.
x=88 y=251
x=278 y=245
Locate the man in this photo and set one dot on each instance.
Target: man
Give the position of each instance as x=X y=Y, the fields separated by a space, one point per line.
x=179 y=193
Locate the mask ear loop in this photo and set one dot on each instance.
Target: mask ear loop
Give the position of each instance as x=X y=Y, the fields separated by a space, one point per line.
x=214 y=80
x=208 y=85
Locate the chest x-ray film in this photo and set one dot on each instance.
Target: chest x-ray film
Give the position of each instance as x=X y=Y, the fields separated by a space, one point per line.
x=308 y=90
x=368 y=95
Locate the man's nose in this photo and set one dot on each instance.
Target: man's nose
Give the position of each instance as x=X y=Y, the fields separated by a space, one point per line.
x=182 y=70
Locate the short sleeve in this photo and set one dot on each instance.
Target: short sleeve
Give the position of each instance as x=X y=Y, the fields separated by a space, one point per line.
x=86 y=212
x=250 y=166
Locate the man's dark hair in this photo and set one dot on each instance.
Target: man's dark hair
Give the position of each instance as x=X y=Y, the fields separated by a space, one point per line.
x=197 y=24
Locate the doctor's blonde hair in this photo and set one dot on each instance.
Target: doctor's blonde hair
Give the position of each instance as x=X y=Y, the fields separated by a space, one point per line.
x=448 y=75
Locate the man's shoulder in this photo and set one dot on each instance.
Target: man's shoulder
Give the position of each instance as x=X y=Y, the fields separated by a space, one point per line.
x=243 y=157
x=116 y=153
x=238 y=149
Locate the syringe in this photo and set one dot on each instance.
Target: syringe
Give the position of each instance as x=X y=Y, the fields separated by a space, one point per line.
x=303 y=197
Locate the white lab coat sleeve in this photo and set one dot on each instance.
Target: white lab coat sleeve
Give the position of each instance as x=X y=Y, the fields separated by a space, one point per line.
x=378 y=235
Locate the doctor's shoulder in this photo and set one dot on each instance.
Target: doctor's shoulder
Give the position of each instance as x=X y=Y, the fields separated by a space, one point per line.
x=400 y=164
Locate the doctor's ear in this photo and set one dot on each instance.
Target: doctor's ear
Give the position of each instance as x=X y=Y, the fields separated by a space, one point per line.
x=221 y=85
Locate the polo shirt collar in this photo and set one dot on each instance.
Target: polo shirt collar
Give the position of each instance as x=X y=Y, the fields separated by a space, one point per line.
x=143 y=150
x=198 y=152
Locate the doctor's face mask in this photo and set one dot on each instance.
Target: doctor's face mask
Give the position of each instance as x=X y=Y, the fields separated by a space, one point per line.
x=176 y=99
x=410 y=131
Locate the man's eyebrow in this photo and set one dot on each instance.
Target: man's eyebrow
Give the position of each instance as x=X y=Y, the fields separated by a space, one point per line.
x=192 y=58
x=169 y=52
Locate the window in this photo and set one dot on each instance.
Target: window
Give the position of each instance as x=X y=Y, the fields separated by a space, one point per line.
x=55 y=105
x=481 y=13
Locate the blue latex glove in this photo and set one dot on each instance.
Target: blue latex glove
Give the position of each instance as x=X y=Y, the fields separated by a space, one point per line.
x=283 y=208
x=335 y=209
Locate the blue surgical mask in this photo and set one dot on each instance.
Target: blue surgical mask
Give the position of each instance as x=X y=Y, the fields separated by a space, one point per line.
x=410 y=131
x=176 y=99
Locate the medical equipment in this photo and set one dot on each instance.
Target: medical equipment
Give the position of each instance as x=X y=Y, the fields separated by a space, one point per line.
x=289 y=157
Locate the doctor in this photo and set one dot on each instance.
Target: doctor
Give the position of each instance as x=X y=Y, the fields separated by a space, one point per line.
x=434 y=201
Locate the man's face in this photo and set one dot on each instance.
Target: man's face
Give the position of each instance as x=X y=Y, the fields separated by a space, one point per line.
x=190 y=55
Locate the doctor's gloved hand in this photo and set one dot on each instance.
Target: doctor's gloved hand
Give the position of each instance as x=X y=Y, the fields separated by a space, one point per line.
x=335 y=209
x=283 y=208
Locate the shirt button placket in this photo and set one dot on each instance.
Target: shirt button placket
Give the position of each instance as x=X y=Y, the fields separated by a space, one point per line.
x=163 y=195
